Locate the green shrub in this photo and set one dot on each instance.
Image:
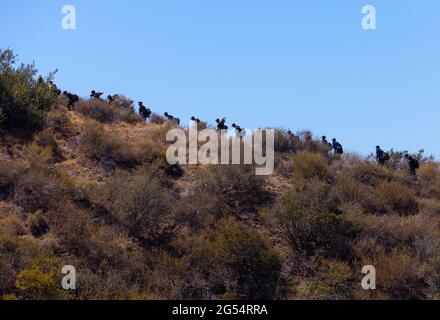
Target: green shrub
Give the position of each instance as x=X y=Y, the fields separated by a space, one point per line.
x=245 y=261
x=229 y=262
x=333 y=281
x=24 y=102
x=40 y=281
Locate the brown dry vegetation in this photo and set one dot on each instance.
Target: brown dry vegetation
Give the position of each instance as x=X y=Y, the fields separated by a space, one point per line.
x=91 y=188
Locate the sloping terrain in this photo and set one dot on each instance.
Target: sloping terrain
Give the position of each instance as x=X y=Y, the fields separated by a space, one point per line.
x=91 y=188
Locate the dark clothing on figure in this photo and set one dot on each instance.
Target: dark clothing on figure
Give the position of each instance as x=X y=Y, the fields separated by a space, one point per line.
x=381 y=156
x=144 y=111
x=413 y=165
x=221 y=124
x=73 y=98
x=337 y=147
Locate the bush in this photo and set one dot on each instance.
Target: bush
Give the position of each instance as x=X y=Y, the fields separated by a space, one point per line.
x=237 y=188
x=12 y=225
x=102 y=111
x=197 y=210
x=28 y=271
x=9 y=172
x=370 y=173
x=428 y=249
x=36 y=191
x=73 y=228
x=309 y=226
x=400 y=276
x=39 y=281
x=429 y=174
x=396 y=197
x=333 y=281
x=38 y=224
x=96 y=109
x=157 y=119
x=310 y=166
x=229 y=262
x=109 y=150
x=139 y=203
x=59 y=121
x=24 y=102
x=282 y=141
x=46 y=139
x=244 y=261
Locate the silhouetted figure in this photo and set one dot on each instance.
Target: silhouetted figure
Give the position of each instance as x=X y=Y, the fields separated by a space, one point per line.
x=73 y=98
x=168 y=116
x=239 y=131
x=95 y=95
x=171 y=118
x=381 y=156
x=413 y=165
x=325 y=142
x=293 y=141
x=144 y=111
x=53 y=87
x=337 y=147
x=195 y=119
x=112 y=98
x=221 y=124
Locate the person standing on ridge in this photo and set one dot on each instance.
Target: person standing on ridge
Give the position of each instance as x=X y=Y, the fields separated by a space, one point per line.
x=381 y=156
x=413 y=165
x=337 y=147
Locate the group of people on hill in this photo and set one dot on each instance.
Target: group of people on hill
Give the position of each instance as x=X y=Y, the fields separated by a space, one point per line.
x=335 y=145
x=381 y=156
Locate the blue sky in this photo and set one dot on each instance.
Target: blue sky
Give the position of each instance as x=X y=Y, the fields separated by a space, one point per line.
x=304 y=64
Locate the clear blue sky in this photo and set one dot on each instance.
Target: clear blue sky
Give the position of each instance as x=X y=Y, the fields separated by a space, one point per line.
x=304 y=64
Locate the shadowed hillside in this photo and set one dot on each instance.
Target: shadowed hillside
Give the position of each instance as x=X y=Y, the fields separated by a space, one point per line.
x=90 y=187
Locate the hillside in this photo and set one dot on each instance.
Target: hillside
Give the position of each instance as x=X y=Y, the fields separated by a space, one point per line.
x=90 y=187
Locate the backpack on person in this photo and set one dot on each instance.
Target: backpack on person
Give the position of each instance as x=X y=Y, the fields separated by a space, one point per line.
x=339 y=149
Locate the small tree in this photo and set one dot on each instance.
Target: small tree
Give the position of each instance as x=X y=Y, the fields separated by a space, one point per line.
x=24 y=101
